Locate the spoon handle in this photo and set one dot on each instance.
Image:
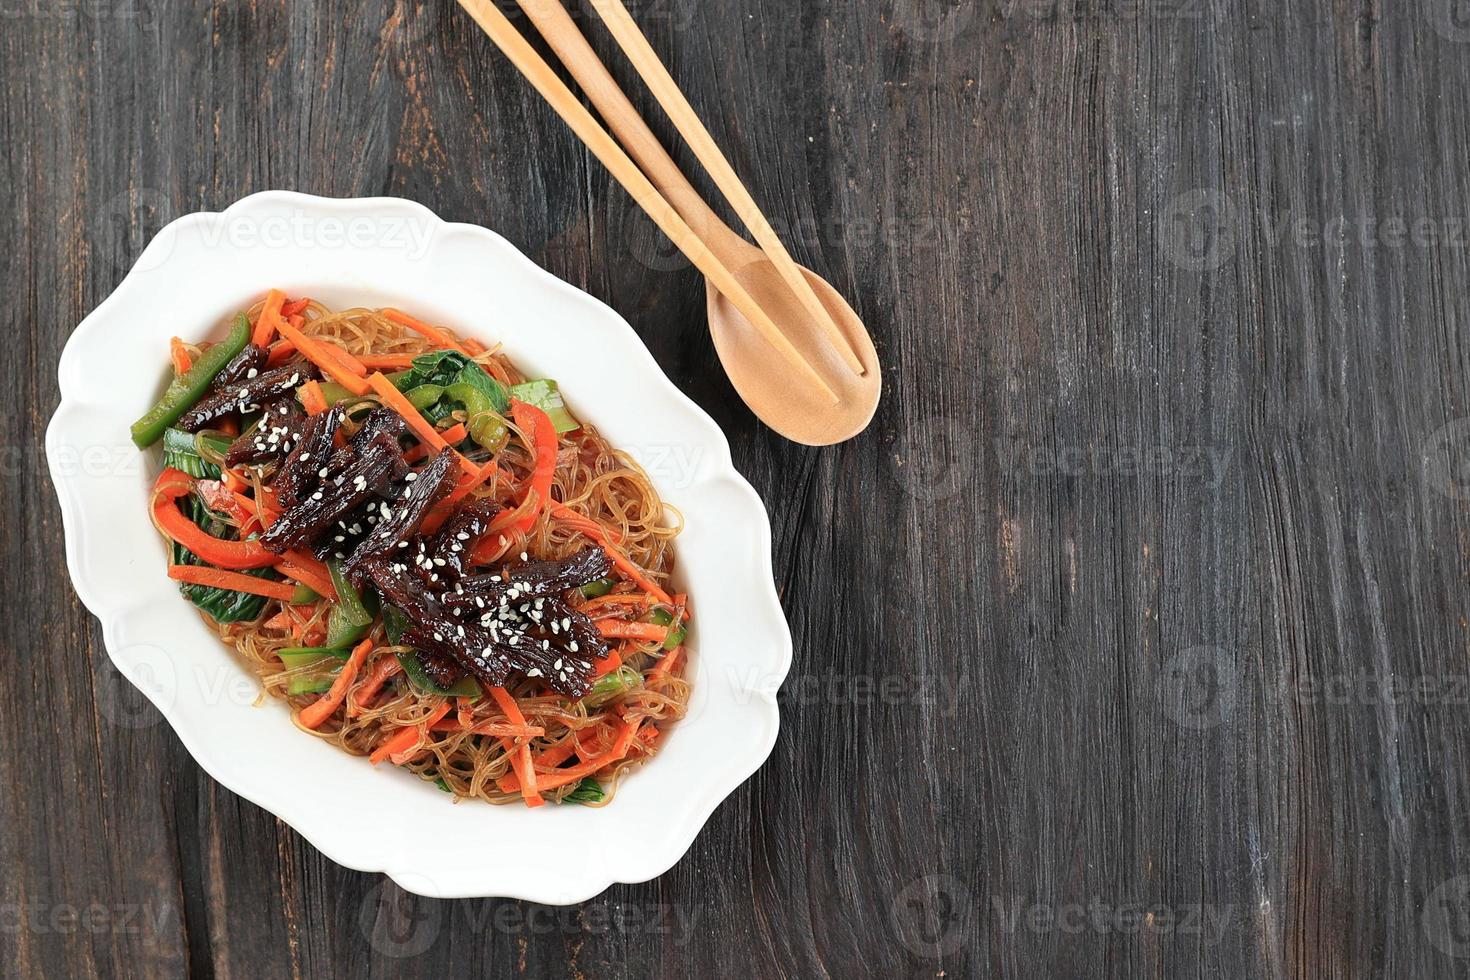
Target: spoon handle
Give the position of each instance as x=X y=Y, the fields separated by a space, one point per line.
x=635 y=45
x=626 y=172
x=570 y=45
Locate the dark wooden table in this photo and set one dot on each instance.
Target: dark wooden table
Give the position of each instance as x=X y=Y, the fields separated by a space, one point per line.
x=1131 y=640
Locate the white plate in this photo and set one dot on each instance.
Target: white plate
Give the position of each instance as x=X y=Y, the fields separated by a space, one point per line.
x=192 y=277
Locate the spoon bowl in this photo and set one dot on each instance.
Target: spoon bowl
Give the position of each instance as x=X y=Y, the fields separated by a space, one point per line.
x=776 y=392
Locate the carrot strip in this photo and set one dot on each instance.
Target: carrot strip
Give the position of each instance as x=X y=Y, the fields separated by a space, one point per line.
x=666 y=664
x=282 y=620
x=455 y=433
x=344 y=357
x=546 y=761
x=393 y=398
x=387 y=362
x=407 y=738
x=234 y=581
x=586 y=525
x=322 y=708
x=561 y=777
x=280 y=354
x=269 y=320
x=434 y=334
x=520 y=755
x=623 y=630
x=633 y=572
x=229 y=425
x=305 y=569
x=607 y=665
x=265 y=507
x=312 y=398
x=638 y=599
x=312 y=349
x=295 y=307
x=382 y=670
x=179 y=355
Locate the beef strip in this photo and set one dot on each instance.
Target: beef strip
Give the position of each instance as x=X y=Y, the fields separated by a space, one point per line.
x=281 y=426
x=456 y=539
x=246 y=396
x=400 y=517
x=251 y=358
x=297 y=476
x=538 y=579
x=490 y=640
x=339 y=492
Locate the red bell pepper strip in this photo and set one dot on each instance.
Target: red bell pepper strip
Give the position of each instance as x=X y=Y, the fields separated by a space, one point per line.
x=537 y=424
x=173 y=484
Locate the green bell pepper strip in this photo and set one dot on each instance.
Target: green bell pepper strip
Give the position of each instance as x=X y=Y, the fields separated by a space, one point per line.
x=545 y=395
x=611 y=684
x=332 y=393
x=601 y=587
x=350 y=616
x=675 y=638
x=354 y=609
x=329 y=658
x=484 y=424
x=305 y=595
x=190 y=386
x=424 y=396
x=341 y=631
x=413 y=669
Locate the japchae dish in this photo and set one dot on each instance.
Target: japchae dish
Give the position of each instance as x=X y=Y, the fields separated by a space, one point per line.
x=421 y=551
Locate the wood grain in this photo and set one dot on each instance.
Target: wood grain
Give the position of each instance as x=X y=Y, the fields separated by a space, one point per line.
x=1131 y=639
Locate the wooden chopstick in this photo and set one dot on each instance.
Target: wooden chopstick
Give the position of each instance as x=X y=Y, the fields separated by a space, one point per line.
x=635 y=45
x=605 y=148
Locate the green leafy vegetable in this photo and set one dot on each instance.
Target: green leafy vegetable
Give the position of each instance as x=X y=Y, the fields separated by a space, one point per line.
x=545 y=395
x=446 y=367
x=445 y=381
x=588 y=790
x=180 y=453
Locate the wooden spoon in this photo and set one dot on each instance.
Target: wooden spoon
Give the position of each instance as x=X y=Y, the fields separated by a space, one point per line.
x=837 y=346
